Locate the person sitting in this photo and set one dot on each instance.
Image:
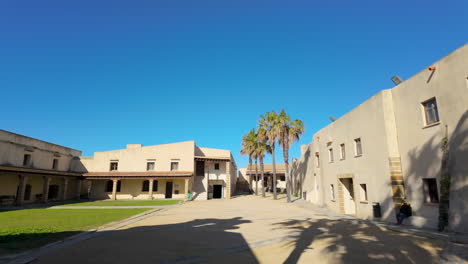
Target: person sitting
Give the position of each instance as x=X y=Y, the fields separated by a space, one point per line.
x=405 y=212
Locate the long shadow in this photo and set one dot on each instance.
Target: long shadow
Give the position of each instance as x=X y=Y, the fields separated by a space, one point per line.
x=351 y=241
x=197 y=241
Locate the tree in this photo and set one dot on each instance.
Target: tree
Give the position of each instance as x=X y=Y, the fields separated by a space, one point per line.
x=269 y=132
x=248 y=148
x=289 y=131
x=261 y=148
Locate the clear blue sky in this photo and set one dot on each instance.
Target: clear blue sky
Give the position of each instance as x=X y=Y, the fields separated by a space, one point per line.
x=96 y=75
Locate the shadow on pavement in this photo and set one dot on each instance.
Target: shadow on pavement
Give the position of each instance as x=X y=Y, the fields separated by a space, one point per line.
x=199 y=241
x=352 y=241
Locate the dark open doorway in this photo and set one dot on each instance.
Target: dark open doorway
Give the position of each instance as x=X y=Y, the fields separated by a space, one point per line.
x=217 y=191
x=168 y=190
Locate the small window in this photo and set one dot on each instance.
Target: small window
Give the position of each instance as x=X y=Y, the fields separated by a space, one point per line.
x=216 y=166
x=431 y=194
x=342 y=152
x=145 y=187
x=55 y=164
x=430 y=111
x=27 y=160
x=200 y=169
x=330 y=155
x=357 y=147
x=150 y=165
x=317 y=159
x=363 y=192
x=282 y=178
x=174 y=165
x=332 y=192
x=155 y=186
x=114 y=165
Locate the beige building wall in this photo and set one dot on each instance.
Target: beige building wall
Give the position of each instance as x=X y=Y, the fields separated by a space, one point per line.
x=399 y=149
x=420 y=144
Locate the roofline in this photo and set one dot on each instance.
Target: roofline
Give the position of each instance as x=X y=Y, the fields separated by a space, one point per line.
x=43 y=141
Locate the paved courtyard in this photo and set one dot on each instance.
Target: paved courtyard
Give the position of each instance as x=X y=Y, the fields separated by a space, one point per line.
x=248 y=229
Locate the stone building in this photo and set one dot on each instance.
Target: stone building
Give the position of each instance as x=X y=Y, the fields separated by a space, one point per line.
x=32 y=170
x=389 y=149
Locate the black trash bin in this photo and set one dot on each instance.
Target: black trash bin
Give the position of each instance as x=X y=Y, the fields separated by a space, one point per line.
x=376 y=209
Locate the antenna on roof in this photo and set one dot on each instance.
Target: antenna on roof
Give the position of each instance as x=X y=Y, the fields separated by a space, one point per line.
x=332 y=118
x=396 y=80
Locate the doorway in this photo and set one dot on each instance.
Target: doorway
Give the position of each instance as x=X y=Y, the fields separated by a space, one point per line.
x=348 y=201
x=168 y=190
x=217 y=191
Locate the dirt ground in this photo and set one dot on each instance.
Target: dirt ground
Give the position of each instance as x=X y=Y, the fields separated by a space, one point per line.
x=249 y=229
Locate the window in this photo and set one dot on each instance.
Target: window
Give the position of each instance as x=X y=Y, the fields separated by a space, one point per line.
x=357 y=147
x=282 y=178
x=145 y=187
x=363 y=192
x=430 y=111
x=110 y=184
x=342 y=152
x=216 y=166
x=114 y=165
x=330 y=155
x=174 y=165
x=55 y=164
x=200 y=170
x=150 y=165
x=317 y=159
x=332 y=192
x=430 y=190
x=27 y=160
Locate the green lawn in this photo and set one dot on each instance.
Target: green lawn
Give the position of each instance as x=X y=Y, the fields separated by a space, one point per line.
x=125 y=203
x=30 y=228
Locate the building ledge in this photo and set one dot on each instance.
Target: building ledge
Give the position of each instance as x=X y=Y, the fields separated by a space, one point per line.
x=39 y=171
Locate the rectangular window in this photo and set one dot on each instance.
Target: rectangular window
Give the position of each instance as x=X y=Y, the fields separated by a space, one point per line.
x=332 y=192
x=174 y=165
x=363 y=192
x=357 y=147
x=330 y=155
x=216 y=166
x=27 y=160
x=145 y=187
x=282 y=178
x=342 y=152
x=150 y=165
x=430 y=111
x=317 y=159
x=55 y=164
x=431 y=194
x=200 y=169
x=114 y=165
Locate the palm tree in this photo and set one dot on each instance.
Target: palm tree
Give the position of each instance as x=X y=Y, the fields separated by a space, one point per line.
x=248 y=148
x=269 y=128
x=290 y=131
x=262 y=148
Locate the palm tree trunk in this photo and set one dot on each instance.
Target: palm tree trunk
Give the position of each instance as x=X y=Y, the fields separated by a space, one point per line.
x=286 y=165
x=263 y=177
x=249 y=170
x=274 y=171
x=256 y=177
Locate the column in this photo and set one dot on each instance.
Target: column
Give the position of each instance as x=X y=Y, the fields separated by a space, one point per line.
x=45 y=189
x=186 y=188
x=78 y=189
x=114 y=190
x=21 y=188
x=150 y=192
x=90 y=185
x=64 y=189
